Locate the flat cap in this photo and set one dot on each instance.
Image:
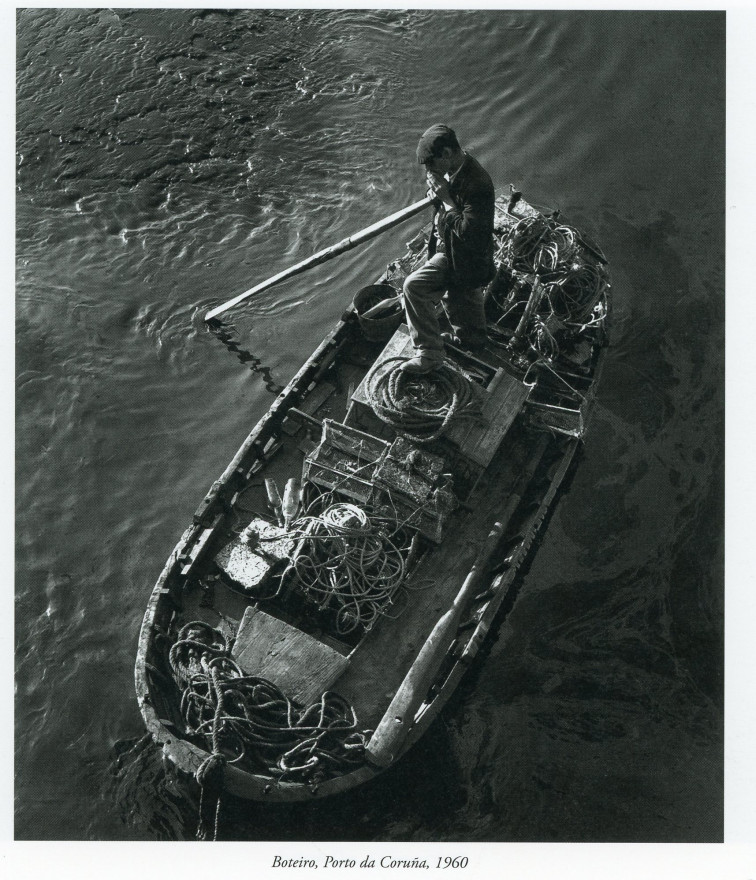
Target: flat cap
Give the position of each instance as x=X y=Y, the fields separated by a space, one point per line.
x=434 y=140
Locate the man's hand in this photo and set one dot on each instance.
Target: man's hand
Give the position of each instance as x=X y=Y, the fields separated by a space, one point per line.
x=438 y=187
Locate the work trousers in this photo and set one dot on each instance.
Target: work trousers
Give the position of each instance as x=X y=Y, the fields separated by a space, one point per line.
x=463 y=305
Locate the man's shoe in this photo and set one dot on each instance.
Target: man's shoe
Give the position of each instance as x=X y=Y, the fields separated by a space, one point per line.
x=421 y=364
x=453 y=339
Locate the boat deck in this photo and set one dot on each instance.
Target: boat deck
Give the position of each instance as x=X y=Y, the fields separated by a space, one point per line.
x=503 y=468
x=379 y=662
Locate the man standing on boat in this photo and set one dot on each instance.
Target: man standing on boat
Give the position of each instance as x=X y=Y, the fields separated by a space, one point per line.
x=460 y=252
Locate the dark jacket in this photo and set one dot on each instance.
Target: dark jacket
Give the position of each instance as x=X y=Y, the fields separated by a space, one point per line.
x=467 y=231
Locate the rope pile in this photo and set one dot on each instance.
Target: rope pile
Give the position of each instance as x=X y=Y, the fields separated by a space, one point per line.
x=573 y=281
x=245 y=718
x=421 y=406
x=350 y=561
x=535 y=245
x=575 y=292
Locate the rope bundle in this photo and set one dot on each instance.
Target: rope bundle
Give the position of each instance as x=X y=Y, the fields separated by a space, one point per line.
x=574 y=292
x=422 y=406
x=348 y=560
x=536 y=245
x=245 y=717
x=197 y=642
x=573 y=281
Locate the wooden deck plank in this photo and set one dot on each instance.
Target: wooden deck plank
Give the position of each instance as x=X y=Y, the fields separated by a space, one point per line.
x=302 y=666
x=504 y=400
x=468 y=435
x=317 y=397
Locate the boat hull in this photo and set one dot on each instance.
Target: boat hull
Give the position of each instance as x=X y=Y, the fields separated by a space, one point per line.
x=516 y=487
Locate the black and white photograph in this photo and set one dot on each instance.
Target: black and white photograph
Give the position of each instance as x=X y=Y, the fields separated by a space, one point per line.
x=370 y=430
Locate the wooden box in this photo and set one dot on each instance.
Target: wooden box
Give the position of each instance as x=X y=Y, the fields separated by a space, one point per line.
x=503 y=398
x=300 y=665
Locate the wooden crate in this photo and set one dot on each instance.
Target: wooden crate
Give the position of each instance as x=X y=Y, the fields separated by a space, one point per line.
x=299 y=664
x=504 y=397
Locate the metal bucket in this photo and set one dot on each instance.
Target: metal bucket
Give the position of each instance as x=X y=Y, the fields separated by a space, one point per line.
x=382 y=328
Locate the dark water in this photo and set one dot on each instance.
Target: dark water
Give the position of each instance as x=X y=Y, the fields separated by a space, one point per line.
x=168 y=160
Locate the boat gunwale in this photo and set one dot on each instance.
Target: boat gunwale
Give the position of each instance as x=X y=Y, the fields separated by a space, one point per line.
x=429 y=710
x=163 y=591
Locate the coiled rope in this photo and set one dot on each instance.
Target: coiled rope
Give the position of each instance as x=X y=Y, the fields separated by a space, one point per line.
x=247 y=718
x=421 y=406
x=348 y=560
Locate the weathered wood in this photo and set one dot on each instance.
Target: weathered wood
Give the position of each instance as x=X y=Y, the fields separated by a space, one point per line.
x=297 y=417
x=557 y=418
x=504 y=399
x=317 y=397
x=294 y=661
x=387 y=739
x=199 y=549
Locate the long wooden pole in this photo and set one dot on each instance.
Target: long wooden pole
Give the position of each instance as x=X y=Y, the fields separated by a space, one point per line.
x=326 y=254
x=386 y=741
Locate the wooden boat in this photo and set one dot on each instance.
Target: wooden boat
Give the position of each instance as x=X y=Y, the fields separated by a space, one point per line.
x=295 y=650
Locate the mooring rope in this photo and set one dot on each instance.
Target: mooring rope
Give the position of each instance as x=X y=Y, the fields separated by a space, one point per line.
x=199 y=643
x=421 y=406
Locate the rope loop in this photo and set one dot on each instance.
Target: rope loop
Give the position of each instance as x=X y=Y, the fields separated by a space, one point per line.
x=197 y=644
x=210 y=771
x=421 y=406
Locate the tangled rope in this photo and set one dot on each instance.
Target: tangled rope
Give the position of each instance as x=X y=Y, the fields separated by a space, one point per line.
x=246 y=718
x=350 y=561
x=421 y=407
x=574 y=291
x=536 y=245
x=574 y=279
x=197 y=642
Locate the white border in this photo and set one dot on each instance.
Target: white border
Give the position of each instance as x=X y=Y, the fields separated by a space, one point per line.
x=736 y=858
